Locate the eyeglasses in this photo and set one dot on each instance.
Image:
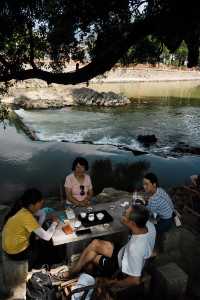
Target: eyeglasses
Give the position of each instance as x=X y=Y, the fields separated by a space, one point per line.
x=82 y=192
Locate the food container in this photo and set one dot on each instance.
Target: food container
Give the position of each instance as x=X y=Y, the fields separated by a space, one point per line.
x=100 y=216
x=91 y=217
x=67 y=229
x=83 y=214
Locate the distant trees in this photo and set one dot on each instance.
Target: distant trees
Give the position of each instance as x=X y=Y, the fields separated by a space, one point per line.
x=150 y=50
x=38 y=37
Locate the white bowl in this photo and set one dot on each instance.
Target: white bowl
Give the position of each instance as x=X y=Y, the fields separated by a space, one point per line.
x=77 y=224
x=83 y=214
x=100 y=216
x=91 y=217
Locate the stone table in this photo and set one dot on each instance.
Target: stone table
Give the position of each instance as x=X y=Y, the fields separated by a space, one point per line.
x=115 y=231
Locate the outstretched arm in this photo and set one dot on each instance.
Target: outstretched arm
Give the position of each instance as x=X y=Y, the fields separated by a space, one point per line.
x=46 y=234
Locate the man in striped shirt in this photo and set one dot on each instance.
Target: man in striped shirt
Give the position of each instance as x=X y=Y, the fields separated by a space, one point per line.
x=159 y=203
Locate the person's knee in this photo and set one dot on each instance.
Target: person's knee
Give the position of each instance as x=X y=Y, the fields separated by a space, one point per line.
x=94 y=244
x=102 y=247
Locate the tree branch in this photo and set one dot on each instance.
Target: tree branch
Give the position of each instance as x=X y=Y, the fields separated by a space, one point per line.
x=105 y=60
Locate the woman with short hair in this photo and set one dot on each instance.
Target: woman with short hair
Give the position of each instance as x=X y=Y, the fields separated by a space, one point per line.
x=78 y=184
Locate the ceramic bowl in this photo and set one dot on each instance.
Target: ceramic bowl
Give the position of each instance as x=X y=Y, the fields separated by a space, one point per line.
x=100 y=216
x=83 y=215
x=77 y=224
x=91 y=217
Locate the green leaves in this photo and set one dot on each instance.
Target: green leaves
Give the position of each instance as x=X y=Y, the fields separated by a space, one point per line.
x=38 y=37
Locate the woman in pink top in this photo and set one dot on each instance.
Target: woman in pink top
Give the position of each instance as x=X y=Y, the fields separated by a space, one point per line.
x=78 y=184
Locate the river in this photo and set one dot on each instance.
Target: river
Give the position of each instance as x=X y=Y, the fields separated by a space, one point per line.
x=170 y=110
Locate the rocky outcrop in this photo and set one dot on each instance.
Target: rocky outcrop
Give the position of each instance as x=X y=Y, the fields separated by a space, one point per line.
x=89 y=97
x=44 y=98
x=186 y=149
x=55 y=97
x=147 y=140
x=111 y=195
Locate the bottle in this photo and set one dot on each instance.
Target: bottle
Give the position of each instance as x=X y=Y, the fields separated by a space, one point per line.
x=135 y=196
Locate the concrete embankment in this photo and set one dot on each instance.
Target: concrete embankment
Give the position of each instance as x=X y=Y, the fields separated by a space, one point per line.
x=17 y=120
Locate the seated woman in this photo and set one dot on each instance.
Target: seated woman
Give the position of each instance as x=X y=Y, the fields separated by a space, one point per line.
x=78 y=184
x=18 y=253
x=159 y=203
x=20 y=223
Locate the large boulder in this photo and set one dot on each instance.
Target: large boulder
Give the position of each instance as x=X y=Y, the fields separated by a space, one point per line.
x=111 y=195
x=89 y=97
x=54 y=97
x=147 y=140
x=186 y=149
x=43 y=98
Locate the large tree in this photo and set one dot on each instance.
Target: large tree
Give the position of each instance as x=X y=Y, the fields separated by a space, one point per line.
x=38 y=37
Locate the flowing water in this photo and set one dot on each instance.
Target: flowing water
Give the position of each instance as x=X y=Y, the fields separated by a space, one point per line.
x=171 y=111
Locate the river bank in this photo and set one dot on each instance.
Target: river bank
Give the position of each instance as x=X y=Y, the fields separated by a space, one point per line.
x=43 y=96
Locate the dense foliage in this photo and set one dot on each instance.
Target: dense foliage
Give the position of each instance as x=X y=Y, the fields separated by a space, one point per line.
x=38 y=37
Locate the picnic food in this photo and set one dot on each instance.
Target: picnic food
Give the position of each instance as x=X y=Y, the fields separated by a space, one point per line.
x=67 y=229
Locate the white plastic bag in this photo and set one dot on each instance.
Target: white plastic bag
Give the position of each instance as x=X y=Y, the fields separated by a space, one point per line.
x=84 y=280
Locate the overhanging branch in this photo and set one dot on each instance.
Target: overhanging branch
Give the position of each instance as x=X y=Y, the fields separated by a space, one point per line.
x=105 y=60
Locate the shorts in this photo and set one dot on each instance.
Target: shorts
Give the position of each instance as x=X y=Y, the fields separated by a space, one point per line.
x=23 y=255
x=108 y=265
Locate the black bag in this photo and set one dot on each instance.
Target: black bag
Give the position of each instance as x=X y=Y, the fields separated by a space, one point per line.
x=39 y=287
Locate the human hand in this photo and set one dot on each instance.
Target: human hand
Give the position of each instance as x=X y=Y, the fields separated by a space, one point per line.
x=54 y=219
x=123 y=220
x=85 y=202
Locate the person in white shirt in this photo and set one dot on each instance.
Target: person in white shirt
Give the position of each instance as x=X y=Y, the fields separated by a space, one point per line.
x=129 y=260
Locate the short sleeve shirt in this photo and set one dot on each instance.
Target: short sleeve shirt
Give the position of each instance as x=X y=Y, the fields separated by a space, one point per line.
x=161 y=204
x=17 y=231
x=132 y=256
x=76 y=188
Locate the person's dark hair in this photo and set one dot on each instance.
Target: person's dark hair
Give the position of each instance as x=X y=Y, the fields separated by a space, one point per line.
x=81 y=161
x=30 y=196
x=152 y=178
x=139 y=215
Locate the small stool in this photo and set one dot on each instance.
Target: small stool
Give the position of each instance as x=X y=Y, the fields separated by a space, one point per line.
x=169 y=282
